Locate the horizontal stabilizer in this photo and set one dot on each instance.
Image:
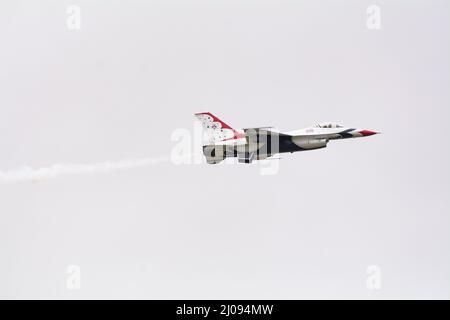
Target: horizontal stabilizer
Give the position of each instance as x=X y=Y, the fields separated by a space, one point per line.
x=246 y=157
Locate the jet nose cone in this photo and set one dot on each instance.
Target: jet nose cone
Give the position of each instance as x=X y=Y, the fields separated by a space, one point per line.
x=366 y=133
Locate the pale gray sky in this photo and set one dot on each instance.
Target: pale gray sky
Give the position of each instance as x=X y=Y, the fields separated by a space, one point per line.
x=137 y=70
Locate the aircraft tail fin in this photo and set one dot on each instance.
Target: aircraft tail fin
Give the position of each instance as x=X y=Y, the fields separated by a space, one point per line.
x=215 y=130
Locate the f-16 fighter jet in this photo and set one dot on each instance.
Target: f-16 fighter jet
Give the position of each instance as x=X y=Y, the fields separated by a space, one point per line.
x=222 y=141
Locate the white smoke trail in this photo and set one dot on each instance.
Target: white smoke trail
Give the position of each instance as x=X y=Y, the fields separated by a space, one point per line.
x=27 y=173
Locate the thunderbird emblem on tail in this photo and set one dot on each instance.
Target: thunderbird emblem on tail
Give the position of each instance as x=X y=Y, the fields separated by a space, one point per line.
x=222 y=141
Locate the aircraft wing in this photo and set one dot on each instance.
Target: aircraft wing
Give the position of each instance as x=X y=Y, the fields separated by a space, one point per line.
x=263 y=131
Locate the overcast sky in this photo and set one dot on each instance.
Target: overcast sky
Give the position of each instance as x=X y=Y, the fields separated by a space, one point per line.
x=136 y=71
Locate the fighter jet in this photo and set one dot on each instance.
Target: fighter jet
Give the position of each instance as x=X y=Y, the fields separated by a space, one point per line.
x=222 y=141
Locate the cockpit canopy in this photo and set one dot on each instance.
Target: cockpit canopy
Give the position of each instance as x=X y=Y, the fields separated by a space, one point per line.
x=328 y=125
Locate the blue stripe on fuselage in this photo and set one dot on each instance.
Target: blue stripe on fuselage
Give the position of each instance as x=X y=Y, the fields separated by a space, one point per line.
x=345 y=134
